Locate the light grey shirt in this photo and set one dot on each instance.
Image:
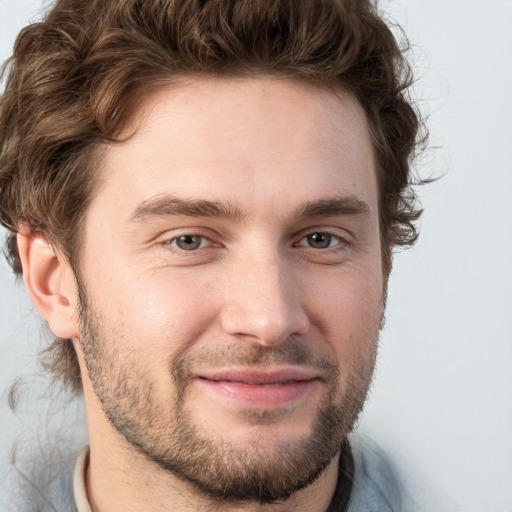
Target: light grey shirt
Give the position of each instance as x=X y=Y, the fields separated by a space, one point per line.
x=375 y=485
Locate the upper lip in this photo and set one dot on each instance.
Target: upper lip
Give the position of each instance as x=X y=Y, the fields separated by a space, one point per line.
x=256 y=376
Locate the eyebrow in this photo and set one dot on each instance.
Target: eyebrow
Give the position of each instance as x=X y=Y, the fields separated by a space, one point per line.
x=331 y=207
x=165 y=205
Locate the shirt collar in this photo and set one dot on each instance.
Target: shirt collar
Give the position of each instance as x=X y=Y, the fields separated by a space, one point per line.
x=79 y=489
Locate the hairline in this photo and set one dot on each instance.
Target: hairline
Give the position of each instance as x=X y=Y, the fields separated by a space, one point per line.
x=151 y=86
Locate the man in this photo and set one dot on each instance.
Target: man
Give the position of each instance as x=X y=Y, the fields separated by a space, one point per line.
x=203 y=199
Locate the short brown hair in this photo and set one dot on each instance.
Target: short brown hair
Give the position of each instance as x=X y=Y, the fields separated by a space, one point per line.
x=75 y=78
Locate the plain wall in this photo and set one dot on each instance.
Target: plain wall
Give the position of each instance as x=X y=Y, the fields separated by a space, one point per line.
x=441 y=404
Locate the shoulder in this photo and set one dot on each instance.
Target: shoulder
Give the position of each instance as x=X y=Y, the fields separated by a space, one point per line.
x=376 y=486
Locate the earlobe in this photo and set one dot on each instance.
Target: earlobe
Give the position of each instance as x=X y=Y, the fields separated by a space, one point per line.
x=50 y=282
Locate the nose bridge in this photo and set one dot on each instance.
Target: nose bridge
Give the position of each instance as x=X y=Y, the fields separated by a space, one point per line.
x=263 y=299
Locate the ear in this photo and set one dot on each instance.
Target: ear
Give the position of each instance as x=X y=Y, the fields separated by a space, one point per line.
x=50 y=282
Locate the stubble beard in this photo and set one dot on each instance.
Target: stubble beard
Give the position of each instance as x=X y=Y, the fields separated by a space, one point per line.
x=219 y=469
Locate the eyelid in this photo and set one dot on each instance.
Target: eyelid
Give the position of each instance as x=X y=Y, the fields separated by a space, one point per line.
x=174 y=255
x=343 y=235
x=171 y=236
x=341 y=240
x=201 y=245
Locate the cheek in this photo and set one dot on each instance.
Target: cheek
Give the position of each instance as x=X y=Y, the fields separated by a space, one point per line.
x=350 y=311
x=160 y=315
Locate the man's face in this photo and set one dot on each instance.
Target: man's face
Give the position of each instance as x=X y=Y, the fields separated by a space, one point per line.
x=232 y=287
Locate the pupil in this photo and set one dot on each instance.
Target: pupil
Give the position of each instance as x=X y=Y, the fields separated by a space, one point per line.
x=319 y=240
x=188 y=242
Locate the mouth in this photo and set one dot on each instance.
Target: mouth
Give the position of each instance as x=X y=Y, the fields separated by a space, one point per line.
x=259 y=388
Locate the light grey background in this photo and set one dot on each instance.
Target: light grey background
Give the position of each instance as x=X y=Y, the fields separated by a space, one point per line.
x=441 y=404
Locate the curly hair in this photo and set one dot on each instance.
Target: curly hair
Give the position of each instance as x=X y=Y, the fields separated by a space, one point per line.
x=75 y=79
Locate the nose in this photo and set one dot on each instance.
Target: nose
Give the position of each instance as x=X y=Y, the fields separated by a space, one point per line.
x=263 y=302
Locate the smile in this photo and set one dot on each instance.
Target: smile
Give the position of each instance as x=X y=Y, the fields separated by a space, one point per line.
x=260 y=389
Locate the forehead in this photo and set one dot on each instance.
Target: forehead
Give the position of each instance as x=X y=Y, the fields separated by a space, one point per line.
x=244 y=140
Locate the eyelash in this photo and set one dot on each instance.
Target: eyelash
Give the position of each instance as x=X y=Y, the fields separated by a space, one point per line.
x=332 y=237
x=201 y=238
x=206 y=242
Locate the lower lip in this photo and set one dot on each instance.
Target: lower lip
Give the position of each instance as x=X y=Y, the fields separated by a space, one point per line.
x=257 y=395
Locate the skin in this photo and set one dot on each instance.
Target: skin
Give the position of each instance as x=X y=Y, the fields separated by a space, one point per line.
x=258 y=281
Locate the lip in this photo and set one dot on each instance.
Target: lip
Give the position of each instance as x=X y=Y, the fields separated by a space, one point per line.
x=258 y=388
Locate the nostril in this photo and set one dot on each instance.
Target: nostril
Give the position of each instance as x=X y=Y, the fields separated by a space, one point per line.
x=266 y=326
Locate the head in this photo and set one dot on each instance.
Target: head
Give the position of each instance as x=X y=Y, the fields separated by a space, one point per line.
x=297 y=109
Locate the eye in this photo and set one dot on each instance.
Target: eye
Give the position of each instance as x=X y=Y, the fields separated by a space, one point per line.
x=189 y=242
x=320 y=240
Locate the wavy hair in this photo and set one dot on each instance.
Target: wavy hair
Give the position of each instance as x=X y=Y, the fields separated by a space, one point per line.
x=75 y=79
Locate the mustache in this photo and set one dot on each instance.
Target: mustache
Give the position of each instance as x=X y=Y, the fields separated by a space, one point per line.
x=290 y=352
